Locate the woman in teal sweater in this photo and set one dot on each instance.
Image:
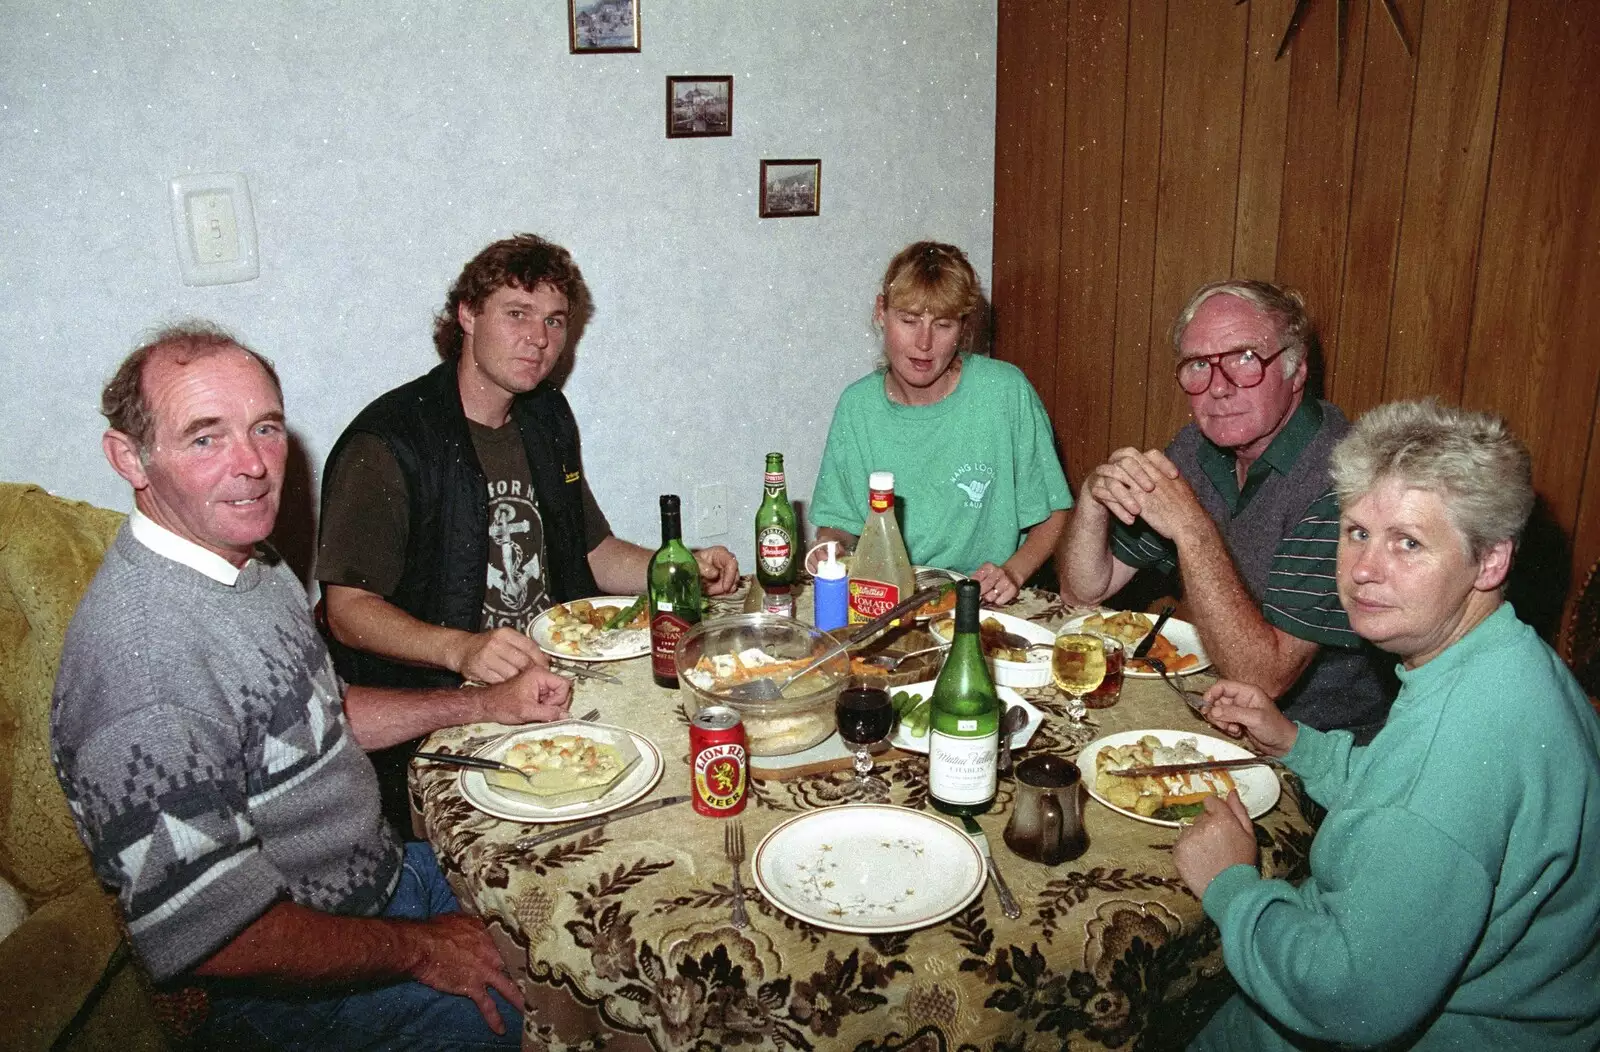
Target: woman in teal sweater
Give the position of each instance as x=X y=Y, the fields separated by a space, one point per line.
x=1454 y=896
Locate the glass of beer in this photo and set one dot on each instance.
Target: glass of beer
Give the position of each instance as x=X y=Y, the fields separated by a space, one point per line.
x=1078 y=666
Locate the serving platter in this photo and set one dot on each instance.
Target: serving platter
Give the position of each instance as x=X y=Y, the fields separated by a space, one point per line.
x=1258 y=786
x=1181 y=634
x=520 y=807
x=902 y=739
x=868 y=869
x=639 y=645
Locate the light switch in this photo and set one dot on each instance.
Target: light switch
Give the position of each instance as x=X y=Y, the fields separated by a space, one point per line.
x=215 y=227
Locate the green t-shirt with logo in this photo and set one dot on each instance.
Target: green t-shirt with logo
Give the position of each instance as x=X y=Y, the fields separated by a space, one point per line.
x=972 y=472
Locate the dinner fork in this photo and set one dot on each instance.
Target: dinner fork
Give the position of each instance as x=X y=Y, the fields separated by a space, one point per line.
x=1193 y=699
x=733 y=847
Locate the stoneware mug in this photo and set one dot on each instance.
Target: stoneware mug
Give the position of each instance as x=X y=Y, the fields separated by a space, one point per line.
x=1047 y=818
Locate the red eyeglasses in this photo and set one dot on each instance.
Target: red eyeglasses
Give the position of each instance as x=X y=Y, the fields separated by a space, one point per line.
x=1243 y=368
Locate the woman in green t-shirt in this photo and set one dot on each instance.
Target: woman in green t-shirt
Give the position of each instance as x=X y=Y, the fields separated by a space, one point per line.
x=978 y=483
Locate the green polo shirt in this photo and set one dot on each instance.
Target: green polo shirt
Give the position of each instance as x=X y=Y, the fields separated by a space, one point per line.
x=1301 y=595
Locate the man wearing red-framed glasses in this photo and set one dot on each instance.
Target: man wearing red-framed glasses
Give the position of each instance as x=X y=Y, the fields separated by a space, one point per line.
x=1239 y=507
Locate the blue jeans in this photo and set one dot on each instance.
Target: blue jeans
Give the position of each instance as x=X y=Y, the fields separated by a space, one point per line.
x=391 y=1018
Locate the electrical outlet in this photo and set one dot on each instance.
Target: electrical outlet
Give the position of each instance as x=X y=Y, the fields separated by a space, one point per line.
x=711 y=510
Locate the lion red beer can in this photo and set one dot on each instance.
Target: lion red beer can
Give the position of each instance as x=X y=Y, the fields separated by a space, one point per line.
x=719 y=766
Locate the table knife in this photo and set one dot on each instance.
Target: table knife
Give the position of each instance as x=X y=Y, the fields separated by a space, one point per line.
x=598 y=820
x=1150 y=637
x=1008 y=901
x=585 y=672
x=1198 y=765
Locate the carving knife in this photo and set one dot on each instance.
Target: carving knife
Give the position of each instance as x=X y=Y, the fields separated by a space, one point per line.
x=1198 y=765
x=598 y=820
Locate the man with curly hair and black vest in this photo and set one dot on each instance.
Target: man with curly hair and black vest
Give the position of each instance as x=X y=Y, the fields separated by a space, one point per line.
x=455 y=507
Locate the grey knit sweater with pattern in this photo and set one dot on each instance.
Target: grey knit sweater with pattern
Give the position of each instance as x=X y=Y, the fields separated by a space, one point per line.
x=199 y=733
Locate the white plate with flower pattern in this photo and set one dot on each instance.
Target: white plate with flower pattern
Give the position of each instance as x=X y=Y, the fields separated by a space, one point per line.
x=868 y=868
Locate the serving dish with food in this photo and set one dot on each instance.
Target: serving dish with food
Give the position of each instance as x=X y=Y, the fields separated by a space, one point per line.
x=912 y=715
x=574 y=770
x=714 y=656
x=605 y=628
x=1020 y=667
x=927 y=577
x=1170 y=799
x=1177 y=647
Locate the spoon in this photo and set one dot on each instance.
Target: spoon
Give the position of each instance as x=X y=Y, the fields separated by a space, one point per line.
x=890 y=662
x=766 y=689
x=1014 y=720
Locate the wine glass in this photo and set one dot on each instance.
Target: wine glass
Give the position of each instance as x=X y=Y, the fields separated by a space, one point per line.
x=1078 y=666
x=865 y=716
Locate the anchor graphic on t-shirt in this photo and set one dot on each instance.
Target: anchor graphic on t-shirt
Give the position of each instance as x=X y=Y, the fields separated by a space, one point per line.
x=512 y=581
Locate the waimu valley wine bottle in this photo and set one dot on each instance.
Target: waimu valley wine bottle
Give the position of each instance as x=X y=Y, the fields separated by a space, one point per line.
x=964 y=728
x=675 y=604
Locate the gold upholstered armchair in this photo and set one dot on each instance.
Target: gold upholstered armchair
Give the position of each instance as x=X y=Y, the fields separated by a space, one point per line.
x=67 y=980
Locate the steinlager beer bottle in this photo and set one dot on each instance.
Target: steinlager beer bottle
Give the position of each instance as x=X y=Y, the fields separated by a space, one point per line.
x=775 y=530
x=674 y=582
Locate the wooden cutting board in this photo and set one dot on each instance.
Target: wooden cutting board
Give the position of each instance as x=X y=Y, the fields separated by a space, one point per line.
x=819 y=759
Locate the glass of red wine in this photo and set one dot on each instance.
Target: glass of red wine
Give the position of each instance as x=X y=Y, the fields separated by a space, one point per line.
x=865 y=716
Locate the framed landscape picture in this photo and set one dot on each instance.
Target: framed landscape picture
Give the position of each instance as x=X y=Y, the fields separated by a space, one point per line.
x=597 y=26
x=791 y=188
x=699 y=106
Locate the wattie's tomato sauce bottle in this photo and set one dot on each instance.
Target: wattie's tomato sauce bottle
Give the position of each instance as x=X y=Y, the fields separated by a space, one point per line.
x=880 y=571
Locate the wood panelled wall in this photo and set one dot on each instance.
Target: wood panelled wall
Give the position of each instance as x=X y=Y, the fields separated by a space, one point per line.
x=1440 y=211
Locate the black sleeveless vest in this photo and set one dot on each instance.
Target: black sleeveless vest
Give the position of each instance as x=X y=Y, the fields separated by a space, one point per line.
x=447 y=546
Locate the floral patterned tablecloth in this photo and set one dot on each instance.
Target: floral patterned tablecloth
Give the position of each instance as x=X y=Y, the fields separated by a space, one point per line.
x=620 y=936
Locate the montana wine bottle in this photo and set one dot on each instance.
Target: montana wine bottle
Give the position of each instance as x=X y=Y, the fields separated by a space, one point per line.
x=674 y=581
x=964 y=727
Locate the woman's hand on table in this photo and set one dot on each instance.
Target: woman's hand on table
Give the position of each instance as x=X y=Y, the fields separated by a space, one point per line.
x=534 y=695
x=1222 y=836
x=996 y=586
x=453 y=953
x=1242 y=709
x=719 y=569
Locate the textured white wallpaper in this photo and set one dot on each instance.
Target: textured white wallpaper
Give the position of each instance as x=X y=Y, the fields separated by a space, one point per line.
x=386 y=143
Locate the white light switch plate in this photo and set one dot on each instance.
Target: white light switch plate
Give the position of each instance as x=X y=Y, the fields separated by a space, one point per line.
x=215 y=227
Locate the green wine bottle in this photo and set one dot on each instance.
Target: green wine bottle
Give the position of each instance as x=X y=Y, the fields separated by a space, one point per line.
x=775 y=529
x=675 y=604
x=964 y=739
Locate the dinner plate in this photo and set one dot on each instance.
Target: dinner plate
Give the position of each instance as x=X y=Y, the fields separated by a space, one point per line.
x=1180 y=633
x=903 y=740
x=868 y=868
x=539 y=632
x=519 y=807
x=1258 y=786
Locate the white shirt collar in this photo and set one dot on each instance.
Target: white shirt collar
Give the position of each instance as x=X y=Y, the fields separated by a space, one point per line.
x=169 y=545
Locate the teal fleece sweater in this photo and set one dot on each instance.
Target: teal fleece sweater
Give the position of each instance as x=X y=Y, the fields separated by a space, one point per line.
x=1454 y=897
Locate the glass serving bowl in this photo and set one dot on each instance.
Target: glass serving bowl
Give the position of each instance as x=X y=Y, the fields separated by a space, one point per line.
x=803 y=716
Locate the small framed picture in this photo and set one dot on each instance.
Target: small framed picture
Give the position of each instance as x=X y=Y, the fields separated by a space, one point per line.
x=791 y=188
x=699 y=107
x=598 y=26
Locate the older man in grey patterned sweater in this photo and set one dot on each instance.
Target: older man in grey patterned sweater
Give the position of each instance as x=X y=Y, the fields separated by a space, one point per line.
x=214 y=762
